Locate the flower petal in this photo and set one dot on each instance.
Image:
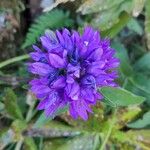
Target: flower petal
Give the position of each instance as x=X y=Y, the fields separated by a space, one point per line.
x=40 y=68
x=73 y=90
x=59 y=83
x=87 y=94
x=56 y=61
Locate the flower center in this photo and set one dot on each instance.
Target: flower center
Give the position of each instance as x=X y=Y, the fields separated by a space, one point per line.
x=62 y=72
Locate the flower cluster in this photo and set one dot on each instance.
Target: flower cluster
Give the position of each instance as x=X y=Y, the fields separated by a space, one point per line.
x=70 y=68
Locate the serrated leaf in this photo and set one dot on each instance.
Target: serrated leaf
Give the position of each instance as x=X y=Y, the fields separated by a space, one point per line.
x=120 y=97
x=10 y=101
x=147 y=22
x=53 y=20
x=141 y=123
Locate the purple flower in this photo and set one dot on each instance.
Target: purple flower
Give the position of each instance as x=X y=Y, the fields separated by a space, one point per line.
x=70 y=68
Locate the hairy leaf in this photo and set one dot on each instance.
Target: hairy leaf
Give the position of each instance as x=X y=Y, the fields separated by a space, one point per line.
x=92 y=6
x=11 y=105
x=85 y=142
x=120 y=97
x=108 y=18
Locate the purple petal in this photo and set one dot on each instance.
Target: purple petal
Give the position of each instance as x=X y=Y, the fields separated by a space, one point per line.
x=36 y=48
x=42 y=104
x=75 y=70
x=49 y=112
x=59 y=83
x=56 y=61
x=40 y=89
x=87 y=94
x=73 y=112
x=73 y=90
x=60 y=37
x=96 y=54
x=40 y=68
x=70 y=79
x=80 y=108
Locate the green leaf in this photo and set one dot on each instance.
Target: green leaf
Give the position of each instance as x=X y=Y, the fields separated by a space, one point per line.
x=29 y=143
x=115 y=29
x=145 y=134
x=143 y=63
x=83 y=142
x=122 y=54
x=53 y=20
x=120 y=97
x=18 y=126
x=141 y=123
x=108 y=18
x=134 y=25
x=10 y=101
x=1 y=106
x=142 y=82
x=139 y=84
x=6 y=137
x=147 y=22
x=42 y=120
x=93 y=6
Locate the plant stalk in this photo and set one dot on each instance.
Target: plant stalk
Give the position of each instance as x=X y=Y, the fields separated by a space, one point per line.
x=13 y=60
x=109 y=130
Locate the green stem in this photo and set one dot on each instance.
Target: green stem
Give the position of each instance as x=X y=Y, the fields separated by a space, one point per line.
x=41 y=143
x=12 y=60
x=109 y=131
x=30 y=112
x=19 y=145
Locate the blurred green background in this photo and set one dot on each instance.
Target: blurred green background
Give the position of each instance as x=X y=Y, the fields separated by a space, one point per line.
x=125 y=127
